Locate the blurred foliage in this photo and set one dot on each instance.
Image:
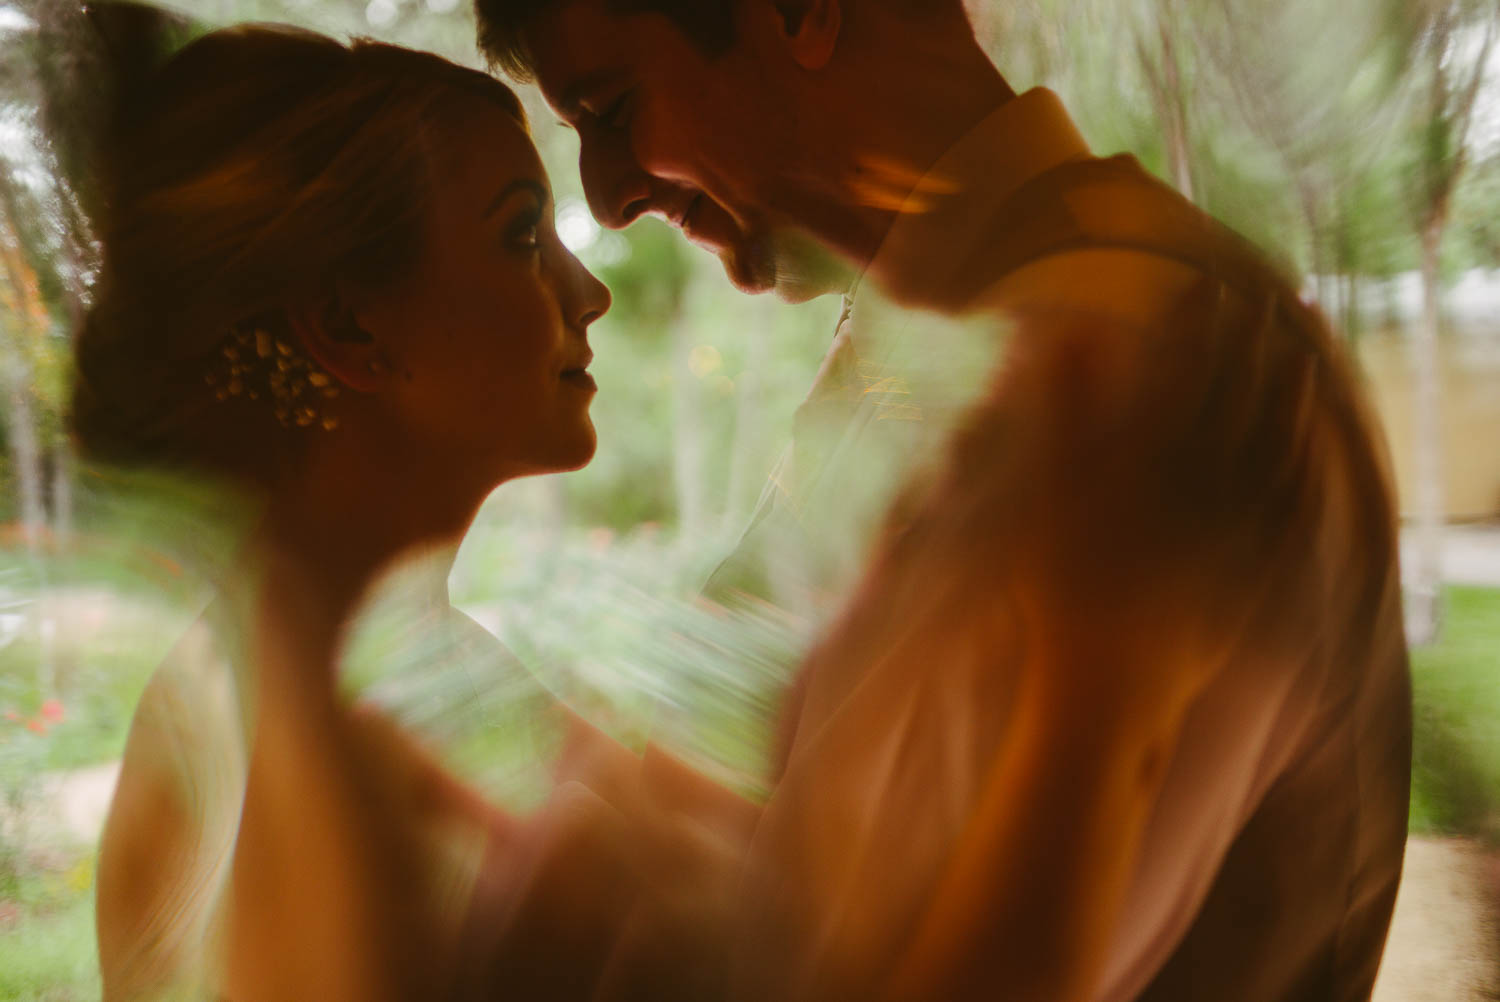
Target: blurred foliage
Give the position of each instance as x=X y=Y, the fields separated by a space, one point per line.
x=47 y=951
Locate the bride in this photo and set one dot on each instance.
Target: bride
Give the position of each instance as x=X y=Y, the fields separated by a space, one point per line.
x=331 y=280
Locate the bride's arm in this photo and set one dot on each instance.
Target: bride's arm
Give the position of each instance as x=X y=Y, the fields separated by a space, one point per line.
x=144 y=851
x=171 y=824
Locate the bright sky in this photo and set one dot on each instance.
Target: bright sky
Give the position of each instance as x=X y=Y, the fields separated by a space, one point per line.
x=13 y=20
x=1486 y=137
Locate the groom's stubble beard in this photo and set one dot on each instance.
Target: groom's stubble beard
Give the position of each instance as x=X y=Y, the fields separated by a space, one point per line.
x=804 y=268
x=788 y=262
x=770 y=250
x=749 y=264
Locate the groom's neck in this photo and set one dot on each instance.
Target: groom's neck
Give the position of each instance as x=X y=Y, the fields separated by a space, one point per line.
x=892 y=109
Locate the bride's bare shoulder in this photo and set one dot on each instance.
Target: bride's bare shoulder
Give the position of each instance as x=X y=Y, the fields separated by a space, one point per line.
x=171 y=822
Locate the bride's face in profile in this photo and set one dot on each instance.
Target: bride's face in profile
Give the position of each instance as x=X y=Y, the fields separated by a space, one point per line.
x=485 y=339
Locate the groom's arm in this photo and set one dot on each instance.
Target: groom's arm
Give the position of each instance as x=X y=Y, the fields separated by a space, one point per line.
x=985 y=734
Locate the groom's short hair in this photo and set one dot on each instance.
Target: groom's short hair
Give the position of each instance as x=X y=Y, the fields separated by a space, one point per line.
x=503 y=24
x=709 y=23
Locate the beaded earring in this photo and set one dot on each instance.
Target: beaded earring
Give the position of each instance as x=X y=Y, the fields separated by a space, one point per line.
x=252 y=362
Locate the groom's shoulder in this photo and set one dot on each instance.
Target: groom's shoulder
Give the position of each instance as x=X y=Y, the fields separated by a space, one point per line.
x=1095 y=215
x=1102 y=245
x=1147 y=334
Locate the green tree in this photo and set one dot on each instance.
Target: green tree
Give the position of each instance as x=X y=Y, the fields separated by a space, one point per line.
x=1450 y=46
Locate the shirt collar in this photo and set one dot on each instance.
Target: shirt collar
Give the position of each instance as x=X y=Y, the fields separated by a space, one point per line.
x=950 y=208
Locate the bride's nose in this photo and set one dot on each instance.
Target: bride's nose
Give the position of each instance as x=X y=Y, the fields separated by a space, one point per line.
x=588 y=298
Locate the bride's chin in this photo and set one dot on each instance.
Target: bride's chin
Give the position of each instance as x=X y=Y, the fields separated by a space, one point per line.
x=579 y=463
x=580 y=453
x=563 y=451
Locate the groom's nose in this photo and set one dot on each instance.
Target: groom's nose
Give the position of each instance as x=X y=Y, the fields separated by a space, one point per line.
x=618 y=190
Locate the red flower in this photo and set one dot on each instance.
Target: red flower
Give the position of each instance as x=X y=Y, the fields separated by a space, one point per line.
x=36 y=726
x=12 y=715
x=52 y=709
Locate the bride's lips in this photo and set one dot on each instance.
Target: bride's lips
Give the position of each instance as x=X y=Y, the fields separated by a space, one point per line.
x=579 y=377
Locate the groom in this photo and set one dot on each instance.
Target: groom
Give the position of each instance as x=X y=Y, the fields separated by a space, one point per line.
x=1116 y=705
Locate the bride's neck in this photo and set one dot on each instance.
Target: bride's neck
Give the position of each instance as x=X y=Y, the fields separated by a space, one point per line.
x=329 y=533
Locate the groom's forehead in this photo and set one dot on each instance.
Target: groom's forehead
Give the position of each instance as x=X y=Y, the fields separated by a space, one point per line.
x=578 y=47
x=570 y=52
x=575 y=26
x=537 y=38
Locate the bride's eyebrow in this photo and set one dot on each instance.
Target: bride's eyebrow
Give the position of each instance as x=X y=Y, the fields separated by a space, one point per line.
x=519 y=184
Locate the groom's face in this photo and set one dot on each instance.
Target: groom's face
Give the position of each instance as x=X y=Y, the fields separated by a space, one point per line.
x=667 y=129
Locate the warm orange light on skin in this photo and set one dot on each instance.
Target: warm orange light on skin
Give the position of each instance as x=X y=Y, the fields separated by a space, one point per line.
x=888 y=184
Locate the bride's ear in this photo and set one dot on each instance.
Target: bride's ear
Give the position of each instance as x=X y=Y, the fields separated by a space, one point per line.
x=331 y=336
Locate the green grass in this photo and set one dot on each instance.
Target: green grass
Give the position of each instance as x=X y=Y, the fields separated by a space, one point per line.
x=47 y=950
x=1456 y=697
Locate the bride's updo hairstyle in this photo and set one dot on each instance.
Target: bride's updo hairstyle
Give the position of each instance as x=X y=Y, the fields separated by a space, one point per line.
x=245 y=173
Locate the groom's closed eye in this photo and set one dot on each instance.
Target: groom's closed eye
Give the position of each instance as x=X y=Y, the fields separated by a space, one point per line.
x=589 y=95
x=615 y=115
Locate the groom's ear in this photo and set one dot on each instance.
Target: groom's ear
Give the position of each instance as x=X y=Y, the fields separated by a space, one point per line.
x=331 y=335
x=811 y=29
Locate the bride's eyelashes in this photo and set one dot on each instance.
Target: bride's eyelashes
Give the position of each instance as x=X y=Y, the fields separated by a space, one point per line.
x=525 y=231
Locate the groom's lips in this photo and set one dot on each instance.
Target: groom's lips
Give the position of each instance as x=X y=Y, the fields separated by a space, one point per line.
x=680 y=217
x=684 y=221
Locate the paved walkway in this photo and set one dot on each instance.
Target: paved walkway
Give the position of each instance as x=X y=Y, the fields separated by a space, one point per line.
x=1445 y=937
x=1471 y=554
x=80 y=800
